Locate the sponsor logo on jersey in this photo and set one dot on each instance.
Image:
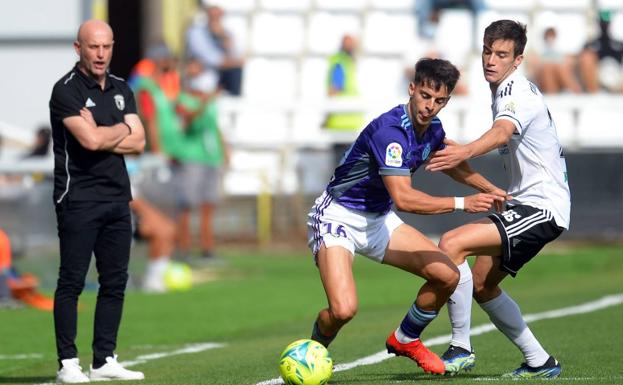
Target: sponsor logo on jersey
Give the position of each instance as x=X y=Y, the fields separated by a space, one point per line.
x=119 y=102
x=507 y=89
x=393 y=155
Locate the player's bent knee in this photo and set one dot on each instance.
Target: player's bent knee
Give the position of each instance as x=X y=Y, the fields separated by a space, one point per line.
x=446 y=279
x=451 y=246
x=343 y=314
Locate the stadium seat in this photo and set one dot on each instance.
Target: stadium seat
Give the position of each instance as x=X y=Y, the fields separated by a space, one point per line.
x=273 y=33
x=487 y=17
x=381 y=78
x=313 y=78
x=571 y=27
x=454 y=38
x=285 y=5
x=326 y=30
x=335 y=5
x=393 y=5
x=574 y=5
x=386 y=33
x=616 y=26
x=244 y=6
x=505 y=5
x=610 y=4
x=238 y=26
x=254 y=125
x=267 y=79
x=252 y=172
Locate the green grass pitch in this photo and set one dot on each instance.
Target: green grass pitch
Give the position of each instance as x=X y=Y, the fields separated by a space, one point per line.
x=258 y=302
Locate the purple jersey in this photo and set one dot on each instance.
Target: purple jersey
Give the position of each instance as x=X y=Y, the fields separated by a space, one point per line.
x=387 y=146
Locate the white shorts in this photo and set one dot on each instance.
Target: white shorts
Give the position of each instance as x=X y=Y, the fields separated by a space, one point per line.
x=359 y=232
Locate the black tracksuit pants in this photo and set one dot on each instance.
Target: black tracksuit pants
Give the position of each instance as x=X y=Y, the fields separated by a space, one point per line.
x=88 y=228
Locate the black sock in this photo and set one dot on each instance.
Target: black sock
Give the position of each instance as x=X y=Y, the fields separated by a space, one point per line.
x=319 y=337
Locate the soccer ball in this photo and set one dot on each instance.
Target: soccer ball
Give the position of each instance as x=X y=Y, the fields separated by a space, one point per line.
x=178 y=276
x=305 y=362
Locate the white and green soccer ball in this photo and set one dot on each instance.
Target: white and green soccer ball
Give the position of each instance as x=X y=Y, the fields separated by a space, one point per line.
x=305 y=362
x=178 y=277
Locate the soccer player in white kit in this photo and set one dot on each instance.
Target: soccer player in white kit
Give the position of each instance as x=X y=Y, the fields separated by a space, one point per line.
x=525 y=135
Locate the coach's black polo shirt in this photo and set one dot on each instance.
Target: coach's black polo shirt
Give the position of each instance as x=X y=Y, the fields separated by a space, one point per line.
x=81 y=174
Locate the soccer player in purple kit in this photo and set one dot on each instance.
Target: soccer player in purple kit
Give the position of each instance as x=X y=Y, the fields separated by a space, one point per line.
x=354 y=214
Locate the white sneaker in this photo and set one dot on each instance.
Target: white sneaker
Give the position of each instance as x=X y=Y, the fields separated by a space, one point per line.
x=71 y=372
x=112 y=370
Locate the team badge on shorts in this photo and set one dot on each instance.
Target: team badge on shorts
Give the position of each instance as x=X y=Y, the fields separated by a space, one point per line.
x=393 y=155
x=119 y=102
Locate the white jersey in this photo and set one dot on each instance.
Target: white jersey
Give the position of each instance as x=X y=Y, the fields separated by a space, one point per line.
x=533 y=158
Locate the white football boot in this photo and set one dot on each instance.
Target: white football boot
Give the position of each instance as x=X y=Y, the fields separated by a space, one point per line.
x=112 y=370
x=71 y=372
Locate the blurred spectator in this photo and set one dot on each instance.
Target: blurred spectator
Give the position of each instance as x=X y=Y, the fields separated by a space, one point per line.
x=342 y=81
x=198 y=175
x=428 y=11
x=601 y=60
x=156 y=83
x=551 y=69
x=216 y=48
x=155 y=227
x=41 y=146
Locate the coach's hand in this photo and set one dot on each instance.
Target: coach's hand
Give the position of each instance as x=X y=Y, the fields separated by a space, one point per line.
x=480 y=203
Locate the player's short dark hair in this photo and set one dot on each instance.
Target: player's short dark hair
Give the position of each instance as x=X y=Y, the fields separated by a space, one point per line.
x=507 y=30
x=436 y=73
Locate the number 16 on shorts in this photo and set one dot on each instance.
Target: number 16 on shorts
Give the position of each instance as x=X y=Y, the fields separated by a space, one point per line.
x=334 y=229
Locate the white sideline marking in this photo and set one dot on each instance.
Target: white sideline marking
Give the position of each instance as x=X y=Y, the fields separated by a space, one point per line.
x=602 y=303
x=25 y=356
x=190 y=348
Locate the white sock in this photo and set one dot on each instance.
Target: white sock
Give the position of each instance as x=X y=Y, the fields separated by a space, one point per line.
x=402 y=337
x=154 y=274
x=506 y=316
x=460 y=308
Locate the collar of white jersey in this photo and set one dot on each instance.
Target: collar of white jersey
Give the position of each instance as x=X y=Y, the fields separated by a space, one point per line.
x=514 y=75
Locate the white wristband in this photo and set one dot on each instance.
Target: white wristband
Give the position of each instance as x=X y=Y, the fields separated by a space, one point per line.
x=459 y=203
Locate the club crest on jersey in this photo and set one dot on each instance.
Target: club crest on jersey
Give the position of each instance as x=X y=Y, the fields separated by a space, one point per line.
x=426 y=151
x=510 y=107
x=393 y=155
x=119 y=102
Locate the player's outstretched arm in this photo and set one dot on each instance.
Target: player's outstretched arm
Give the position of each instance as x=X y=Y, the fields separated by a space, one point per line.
x=408 y=199
x=454 y=153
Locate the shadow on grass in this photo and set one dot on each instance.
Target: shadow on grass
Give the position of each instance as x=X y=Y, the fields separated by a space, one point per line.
x=26 y=380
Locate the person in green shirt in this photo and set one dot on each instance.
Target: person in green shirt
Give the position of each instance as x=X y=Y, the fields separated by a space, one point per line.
x=200 y=167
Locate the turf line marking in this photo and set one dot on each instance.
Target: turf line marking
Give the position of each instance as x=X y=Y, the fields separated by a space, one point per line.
x=602 y=303
x=25 y=356
x=191 y=348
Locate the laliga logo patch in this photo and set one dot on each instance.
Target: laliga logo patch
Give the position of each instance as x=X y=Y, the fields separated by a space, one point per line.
x=119 y=102
x=393 y=155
